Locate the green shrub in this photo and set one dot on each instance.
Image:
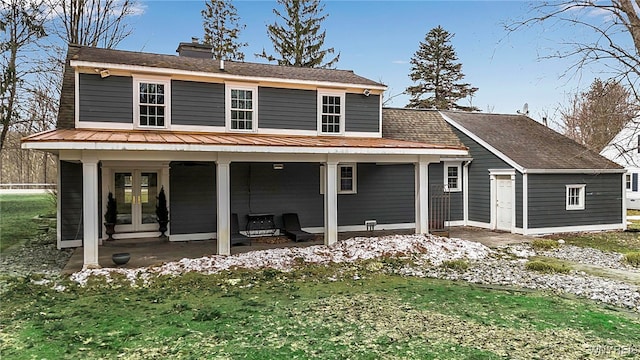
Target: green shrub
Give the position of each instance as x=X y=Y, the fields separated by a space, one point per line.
x=547 y=267
x=544 y=244
x=459 y=264
x=633 y=259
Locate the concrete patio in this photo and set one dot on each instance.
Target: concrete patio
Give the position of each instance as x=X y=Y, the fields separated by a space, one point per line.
x=156 y=251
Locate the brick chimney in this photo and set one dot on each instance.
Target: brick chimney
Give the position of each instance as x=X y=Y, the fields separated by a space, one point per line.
x=195 y=49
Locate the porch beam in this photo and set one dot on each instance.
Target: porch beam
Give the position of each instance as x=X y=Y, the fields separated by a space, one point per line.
x=331 y=203
x=90 y=211
x=223 y=207
x=422 y=196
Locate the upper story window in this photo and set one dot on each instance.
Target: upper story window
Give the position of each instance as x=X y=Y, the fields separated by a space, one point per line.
x=151 y=102
x=241 y=105
x=452 y=177
x=331 y=112
x=575 y=197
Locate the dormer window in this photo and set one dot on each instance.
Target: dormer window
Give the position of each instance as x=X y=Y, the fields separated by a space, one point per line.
x=151 y=103
x=241 y=105
x=331 y=112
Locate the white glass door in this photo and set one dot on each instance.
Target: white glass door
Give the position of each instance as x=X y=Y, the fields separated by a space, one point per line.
x=135 y=193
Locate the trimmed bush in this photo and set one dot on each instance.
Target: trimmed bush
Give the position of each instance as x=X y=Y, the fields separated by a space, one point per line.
x=547 y=267
x=459 y=264
x=544 y=244
x=633 y=259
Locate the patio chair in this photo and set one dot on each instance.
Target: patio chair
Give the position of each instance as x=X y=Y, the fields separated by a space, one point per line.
x=292 y=228
x=236 y=237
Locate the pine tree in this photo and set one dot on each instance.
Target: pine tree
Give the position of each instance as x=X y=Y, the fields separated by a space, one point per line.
x=438 y=75
x=299 y=42
x=221 y=30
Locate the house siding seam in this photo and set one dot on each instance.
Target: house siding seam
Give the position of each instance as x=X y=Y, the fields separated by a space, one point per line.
x=547 y=200
x=107 y=99
x=362 y=113
x=289 y=109
x=436 y=177
x=196 y=103
x=479 y=180
x=70 y=188
x=192 y=187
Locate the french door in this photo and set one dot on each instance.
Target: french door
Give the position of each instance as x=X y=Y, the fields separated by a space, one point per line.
x=135 y=193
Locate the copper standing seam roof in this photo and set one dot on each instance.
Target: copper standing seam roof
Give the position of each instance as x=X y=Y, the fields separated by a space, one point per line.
x=223 y=139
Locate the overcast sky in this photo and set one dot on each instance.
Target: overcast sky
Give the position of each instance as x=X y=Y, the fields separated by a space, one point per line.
x=376 y=39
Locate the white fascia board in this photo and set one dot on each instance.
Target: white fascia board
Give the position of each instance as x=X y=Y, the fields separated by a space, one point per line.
x=574 y=171
x=231 y=148
x=168 y=72
x=483 y=143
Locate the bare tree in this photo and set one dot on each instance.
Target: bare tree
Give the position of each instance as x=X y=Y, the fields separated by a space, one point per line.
x=22 y=23
x=596 y=116
x=613 y=29
x=93 y=22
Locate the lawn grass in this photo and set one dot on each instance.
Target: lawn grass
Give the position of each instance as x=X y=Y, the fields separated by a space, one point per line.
x=275 y=315
x=17 y=214
x=617 y=241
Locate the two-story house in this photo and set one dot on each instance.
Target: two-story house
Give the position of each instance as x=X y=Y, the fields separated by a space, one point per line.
x=624 y=149
x=226 y=137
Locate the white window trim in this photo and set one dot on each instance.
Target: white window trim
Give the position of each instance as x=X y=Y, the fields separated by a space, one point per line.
x=342 y=96
x=580 y=206
x=227 y=105
x=354 y=179
x=323 y=186
x=628 y=182
x=136 y=100
x=446 y=167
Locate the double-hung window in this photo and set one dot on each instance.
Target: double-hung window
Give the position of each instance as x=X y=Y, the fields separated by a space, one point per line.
x=628 y=183
x=331 y=108
x=452 y=177
x=346 y=178
x=151 y=103
x=575 y=197
x=242 y=107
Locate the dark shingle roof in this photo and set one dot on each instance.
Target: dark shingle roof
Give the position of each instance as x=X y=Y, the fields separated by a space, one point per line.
x=110 y=56
x=529 y=143
x=417 y=125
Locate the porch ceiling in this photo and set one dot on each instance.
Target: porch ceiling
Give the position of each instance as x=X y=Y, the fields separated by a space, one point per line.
x=94 y=139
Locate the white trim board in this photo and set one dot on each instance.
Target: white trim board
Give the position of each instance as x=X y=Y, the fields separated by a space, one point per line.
x=576 y=228
x=194 y=236
x=398 y=226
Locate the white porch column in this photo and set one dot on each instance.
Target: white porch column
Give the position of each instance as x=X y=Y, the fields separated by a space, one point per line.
x=331 y=203
x=90 y=211
x=223 y=198
x=422 y=196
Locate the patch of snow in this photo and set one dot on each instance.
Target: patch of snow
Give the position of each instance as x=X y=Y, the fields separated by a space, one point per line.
x=430 y=248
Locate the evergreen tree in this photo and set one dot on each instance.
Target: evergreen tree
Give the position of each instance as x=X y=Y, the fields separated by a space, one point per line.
x=299 y=42
x=438 y=75
x=221 y=29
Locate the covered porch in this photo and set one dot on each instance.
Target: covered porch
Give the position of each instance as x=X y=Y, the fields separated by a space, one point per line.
x=92 y=149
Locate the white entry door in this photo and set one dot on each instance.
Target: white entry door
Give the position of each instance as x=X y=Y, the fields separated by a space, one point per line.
x=135 y=193
x=504 y=203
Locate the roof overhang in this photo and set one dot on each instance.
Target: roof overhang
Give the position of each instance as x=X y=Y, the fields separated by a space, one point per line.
x=574 y=171
x=212 y=75
x=104 y=140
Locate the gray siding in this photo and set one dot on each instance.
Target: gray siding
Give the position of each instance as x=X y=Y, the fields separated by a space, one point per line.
x=194 y=103
x=479 y=182
x=192 y=206
x=547 y=200
x=70 y=188
x=107 y=100
x=287 y=109
x=519 y=199
x=362 y=113
x=386 y=193
x=436 y=177
x=258 y=188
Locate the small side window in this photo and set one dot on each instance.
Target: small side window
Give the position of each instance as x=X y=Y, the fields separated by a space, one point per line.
x=452 y=177
x=575 y=197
